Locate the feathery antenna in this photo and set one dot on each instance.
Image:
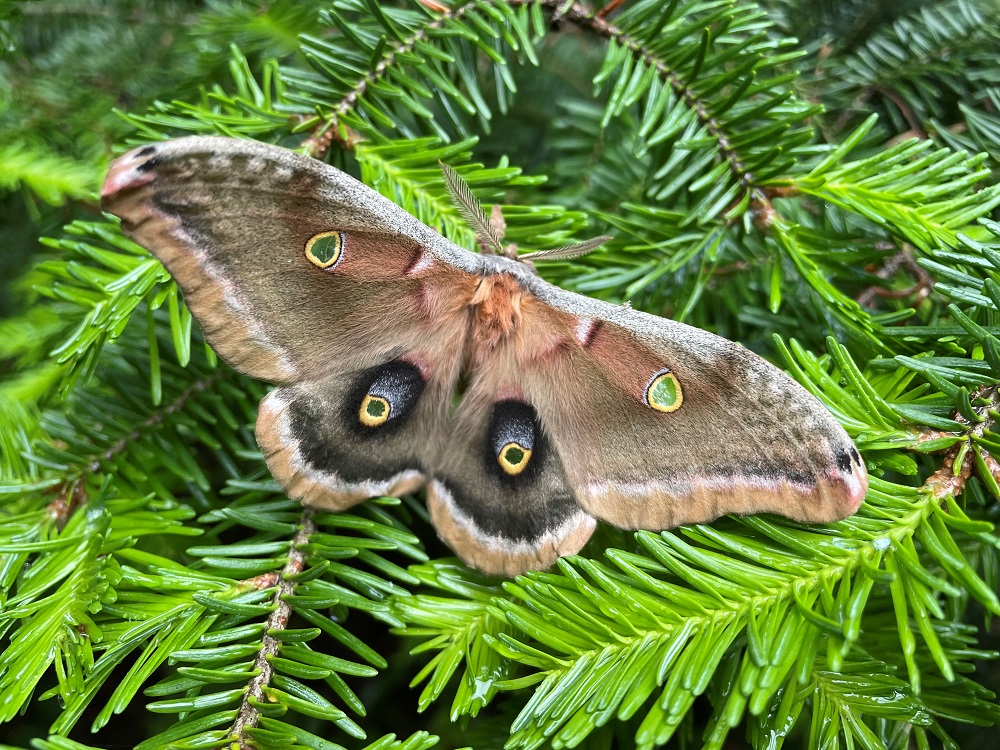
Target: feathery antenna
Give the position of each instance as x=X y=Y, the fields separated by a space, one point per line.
x=468 y=205
x=567 y=251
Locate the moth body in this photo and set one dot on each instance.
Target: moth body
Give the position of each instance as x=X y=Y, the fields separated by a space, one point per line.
x=405 y=362
x=497 y=309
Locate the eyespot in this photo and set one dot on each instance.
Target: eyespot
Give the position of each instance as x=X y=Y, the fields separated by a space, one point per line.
x=383 y=396
x=514 y=435
x=374 y=411
x=664 y=392
x=514 y=458
x=325 y=249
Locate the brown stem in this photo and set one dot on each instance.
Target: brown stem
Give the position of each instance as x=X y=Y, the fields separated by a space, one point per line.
x=929 y=436
x=610 y=8
x=394 y=50
x=957 y=128
x=73 y=492
x=575 y=13
x=248 y=716
x=154 y=419
x=946 y=480
x=991 y=465
x=781 y=191
x=904 y=110
x=763 y=211
x=583 y=17
x=740 y=266
x=904 y=258
x=950 y=479
x=72 y=496
x=850 y=113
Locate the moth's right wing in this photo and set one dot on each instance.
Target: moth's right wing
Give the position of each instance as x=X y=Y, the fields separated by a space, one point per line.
x=659 y=424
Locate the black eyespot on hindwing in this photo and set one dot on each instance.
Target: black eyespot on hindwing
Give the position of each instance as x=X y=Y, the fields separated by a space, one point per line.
x=383 y=397
x=514 y=438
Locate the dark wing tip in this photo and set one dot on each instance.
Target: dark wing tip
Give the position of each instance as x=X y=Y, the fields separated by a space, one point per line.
x=128 y=172
x=851 y=479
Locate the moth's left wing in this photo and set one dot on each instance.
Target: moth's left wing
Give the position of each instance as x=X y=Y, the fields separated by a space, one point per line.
x=338 y=441
x=658 y=424
x=294 y=270
x=302 y=276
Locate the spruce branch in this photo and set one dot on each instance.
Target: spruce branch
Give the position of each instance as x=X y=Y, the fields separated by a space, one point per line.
x=154 y=420
x=952 y=43
x=459 y=626
x=893 y=188
x=701 y=151
x=392 y=53
x=54 y=179
x=249 y=716
x=979 y=128
x=580 y=15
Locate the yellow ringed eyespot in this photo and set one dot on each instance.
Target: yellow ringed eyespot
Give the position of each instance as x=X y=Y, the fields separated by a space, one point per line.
x=664 y=392
x=514 y=458
x=325 y=249
x=374 y=411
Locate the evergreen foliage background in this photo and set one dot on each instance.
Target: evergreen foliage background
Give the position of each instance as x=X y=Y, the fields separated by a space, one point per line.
x=816 y=180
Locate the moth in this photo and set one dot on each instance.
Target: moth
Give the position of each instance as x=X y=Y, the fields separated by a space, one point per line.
x=403 y=361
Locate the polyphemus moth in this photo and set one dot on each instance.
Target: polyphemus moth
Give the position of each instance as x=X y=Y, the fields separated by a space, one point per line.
x=404 y=361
